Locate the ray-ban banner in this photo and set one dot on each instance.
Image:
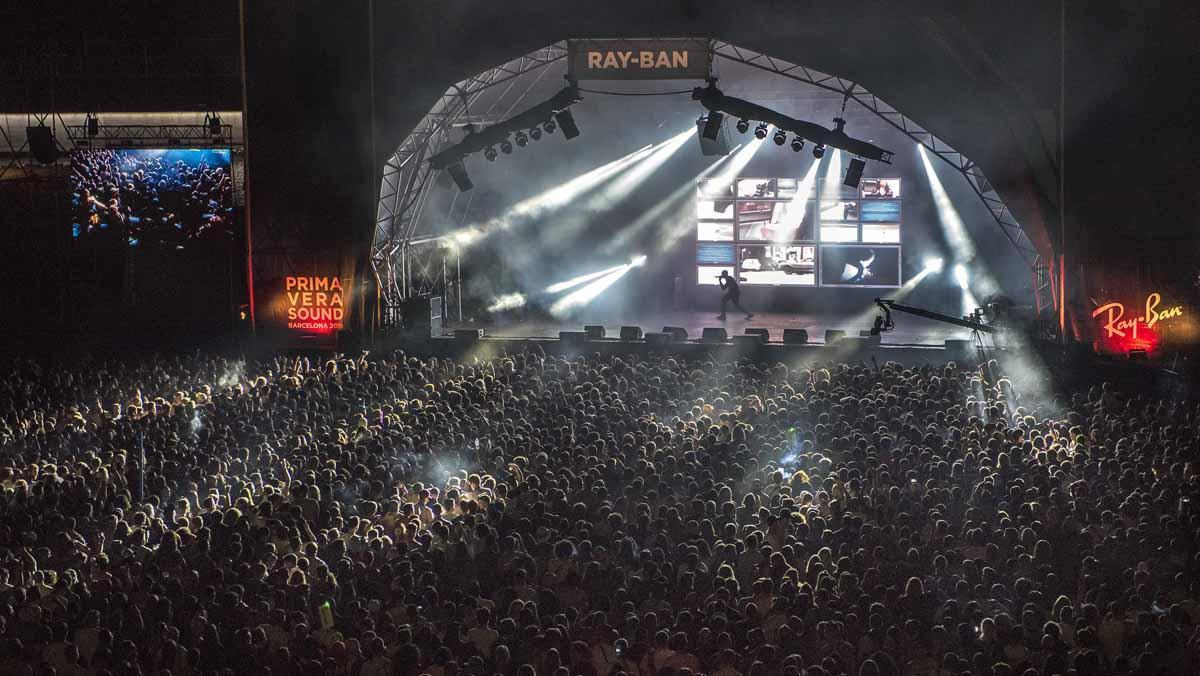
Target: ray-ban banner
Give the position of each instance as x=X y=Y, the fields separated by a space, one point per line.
x=639 y=59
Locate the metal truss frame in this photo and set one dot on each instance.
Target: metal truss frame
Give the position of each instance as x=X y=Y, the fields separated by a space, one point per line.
x=152 y=135
x=979 y=183
x=406 y=267
x=407 y=177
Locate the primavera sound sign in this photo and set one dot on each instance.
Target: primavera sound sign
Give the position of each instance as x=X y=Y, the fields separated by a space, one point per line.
x=639 y=59
x=314 y=304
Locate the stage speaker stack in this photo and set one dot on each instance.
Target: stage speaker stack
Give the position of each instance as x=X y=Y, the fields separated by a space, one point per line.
x=467 y=335
x=763 y=335
x=854 y=172
x=713 y=140
x=41 y=143
x=677 y=333
x=834 y=335
x=422 y=317
x=631 y=334
x=795 y=336
x=594 y=332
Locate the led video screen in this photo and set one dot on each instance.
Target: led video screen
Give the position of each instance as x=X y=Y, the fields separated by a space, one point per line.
x=880 y=212
x=879 y=188
x=778 y=265
x=859 y=265
x=775 y=221
x=767 y=188
x=173 y=198
x=714 y=254
x=714 y=231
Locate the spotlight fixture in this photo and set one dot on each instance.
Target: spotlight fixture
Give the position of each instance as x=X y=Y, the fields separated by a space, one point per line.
x=506 y=147
x=743 y=126
x=935 y=265
x=797 y=144
x=535 y=133
x=780 y=137
x=490 y=153
x=522 y=139
x=818 y=152
x=549 y=126
x=760 y=132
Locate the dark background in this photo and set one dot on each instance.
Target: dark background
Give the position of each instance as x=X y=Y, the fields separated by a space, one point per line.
x=334 y=87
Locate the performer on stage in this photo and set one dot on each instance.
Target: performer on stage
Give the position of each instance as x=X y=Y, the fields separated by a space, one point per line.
x=731 y=294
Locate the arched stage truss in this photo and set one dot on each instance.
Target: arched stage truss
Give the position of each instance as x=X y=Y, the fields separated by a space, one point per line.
x=410 y=264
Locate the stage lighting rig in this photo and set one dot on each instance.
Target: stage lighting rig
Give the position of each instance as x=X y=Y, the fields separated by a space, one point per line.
x=549 y=115
x=797 y=144
x=716 y=101
x=780 y=137
x=535 y=133
x=743 y=126
x=818 y=152
x=760 y=132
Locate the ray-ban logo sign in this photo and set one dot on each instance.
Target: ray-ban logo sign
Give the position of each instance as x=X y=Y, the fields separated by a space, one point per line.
x=640 y=59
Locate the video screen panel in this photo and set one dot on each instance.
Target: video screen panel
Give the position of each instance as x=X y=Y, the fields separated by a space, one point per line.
x=860 y=265
x=714 y=210
x=883 y=233
x=715 y=231
x=778 y=264
x=839 y=212
x=839 y=232
x=767 y=188
x=715 y=254
x=176 y=197
x=881 y=211
x=879 y=188
x=716 y=188
x=707 y=275
x=777 y=221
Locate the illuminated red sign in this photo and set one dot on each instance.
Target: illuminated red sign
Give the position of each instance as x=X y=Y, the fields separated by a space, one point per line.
x=1123 y=334
x=314 y=303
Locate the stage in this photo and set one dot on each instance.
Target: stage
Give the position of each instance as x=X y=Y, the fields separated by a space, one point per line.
x=909 y=331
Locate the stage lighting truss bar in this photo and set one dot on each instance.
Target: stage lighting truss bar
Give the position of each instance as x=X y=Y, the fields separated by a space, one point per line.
x=407 y=177
x=193 y=135
x=979 y=184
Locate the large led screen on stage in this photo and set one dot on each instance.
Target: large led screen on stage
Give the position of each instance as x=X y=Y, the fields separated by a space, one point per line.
x=152 y=197
x=778 y=265
x=781 y=227
x=860 y=265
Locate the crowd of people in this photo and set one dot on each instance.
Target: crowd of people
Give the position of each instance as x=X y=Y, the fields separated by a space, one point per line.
x=530 y=515
x=163 y=196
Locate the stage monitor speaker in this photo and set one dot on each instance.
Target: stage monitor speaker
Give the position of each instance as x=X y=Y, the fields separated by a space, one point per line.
x=854 y=172
x=658 y=339
x=572 y=337
x=468 y=335
x=458 y=172
x=795 y=336
x=41 y=143
x=714 y=334
x=763 y=334
x=677 y=333
x=594 y=332
x=718 y=143
x=833 y=335
x=1139 y=355
x=631 y=334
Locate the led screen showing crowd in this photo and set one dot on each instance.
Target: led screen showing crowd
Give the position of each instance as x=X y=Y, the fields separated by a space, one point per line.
x=172 y=198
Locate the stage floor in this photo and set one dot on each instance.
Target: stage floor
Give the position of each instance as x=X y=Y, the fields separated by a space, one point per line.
x=909 y=330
